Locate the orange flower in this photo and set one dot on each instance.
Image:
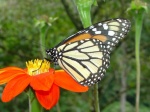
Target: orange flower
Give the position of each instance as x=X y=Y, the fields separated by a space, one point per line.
x=44 y=81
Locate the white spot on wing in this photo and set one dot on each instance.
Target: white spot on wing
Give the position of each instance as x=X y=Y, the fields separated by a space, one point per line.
x=123 y=29
x=123 y=24
x=94 y=29
x=105 y=26
x=91 y=27
x=99 y=24
x=111 y=33
x=113 y=39
x=98 y=32
x=119 y=20
x=87 y=31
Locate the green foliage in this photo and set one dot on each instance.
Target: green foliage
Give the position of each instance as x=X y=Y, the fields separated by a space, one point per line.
x=19 y=42
x=17 y=105
x=115 y=107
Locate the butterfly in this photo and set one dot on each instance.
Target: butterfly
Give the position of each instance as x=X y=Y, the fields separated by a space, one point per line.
x=85 y=55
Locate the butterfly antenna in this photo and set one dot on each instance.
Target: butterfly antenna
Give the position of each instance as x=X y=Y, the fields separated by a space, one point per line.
x=48 y=59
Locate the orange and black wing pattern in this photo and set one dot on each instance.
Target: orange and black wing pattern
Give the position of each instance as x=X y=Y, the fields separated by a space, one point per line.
x=110 y=32
x=85 y=55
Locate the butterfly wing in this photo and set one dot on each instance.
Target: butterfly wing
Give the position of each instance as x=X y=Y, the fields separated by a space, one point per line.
x=110 y=32
x=85 y=60
x=85 y=55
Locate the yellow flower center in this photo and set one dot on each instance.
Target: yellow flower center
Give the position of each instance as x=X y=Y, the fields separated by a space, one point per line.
x=37 y=66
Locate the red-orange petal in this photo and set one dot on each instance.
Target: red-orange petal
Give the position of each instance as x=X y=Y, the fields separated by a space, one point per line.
x=15 y=87
x=42 y=81
x=65 y=81
x=48 y=99
x=10 y=68
x=8 y=73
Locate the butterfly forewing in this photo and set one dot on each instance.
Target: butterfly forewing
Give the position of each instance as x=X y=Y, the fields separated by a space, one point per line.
x=114 y=30
x=109 y=32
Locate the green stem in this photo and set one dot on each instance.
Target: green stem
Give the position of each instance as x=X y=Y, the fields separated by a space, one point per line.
x=43 y=32
x=138 y=9
x=96 y=97
x=58 y=107
x=34 y=105
x=138 y=29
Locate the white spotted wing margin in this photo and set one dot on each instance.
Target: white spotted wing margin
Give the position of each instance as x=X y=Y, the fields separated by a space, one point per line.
x=85 y=60
x=113 y=29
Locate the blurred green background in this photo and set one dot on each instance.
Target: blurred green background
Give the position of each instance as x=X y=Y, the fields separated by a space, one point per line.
x=19 y=42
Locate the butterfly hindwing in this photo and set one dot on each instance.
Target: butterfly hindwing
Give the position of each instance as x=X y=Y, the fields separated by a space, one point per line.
x=85 y=60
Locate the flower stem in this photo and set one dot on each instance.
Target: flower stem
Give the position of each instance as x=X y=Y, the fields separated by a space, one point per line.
x=34 y=105
x=58 y=107
x=96 y=97
x=44 y=24
x=84 y=8
x=138 y=8
x=138 y=29
x=43 y=32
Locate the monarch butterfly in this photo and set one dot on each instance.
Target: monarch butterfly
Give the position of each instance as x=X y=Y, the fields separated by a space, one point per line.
x=85 y=55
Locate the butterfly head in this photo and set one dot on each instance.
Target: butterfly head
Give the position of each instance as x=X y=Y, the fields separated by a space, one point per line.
x=54 y=55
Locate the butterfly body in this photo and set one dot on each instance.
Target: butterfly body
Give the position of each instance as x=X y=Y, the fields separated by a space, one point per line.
x=86 y=54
